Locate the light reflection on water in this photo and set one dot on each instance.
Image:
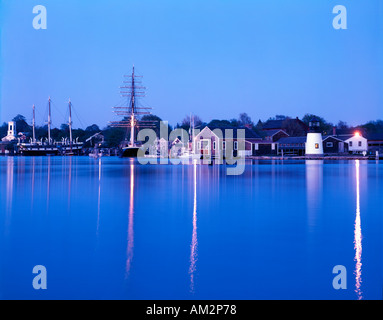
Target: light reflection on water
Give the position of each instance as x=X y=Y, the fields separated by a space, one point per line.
x=131 y=221
x=274 y=232
x=194 y=243
x=358 y=236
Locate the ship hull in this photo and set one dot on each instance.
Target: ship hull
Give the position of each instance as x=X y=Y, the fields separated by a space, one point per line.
x=39 y=151
x=130 y=152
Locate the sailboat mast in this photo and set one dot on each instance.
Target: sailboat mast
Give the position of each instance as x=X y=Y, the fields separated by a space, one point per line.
x=132 y=111
x=70 y=122
x=49 y=120
x=132 y=144
x=34 y=126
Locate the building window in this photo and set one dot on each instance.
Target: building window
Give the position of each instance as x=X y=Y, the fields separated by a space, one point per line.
x=214 y=145
x=317 y=146
x=329 y=144
x=350 y=143
x=199 y=145
x=360 y=143
x=235 y=145
x=223 y=145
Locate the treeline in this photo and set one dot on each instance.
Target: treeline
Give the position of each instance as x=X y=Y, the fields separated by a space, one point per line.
x=289 y=126
x=113 y=137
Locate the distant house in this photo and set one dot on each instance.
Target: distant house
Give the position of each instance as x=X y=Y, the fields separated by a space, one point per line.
x=264 y=148
x=334 y=145
x=356 y=143
x=375 y=142
x=292 y=145
x=290 y=126
x=274 y=135
x=213 y=141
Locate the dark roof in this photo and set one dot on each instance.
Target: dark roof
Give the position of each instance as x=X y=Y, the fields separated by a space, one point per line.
x=292 y=140
x=334 y=137
x=349 y=131
x=314 y=119
x=249 y=134
x=281 y=124
x=344 y=137
x=375 y=136
x=273 y=124
x=270 y=133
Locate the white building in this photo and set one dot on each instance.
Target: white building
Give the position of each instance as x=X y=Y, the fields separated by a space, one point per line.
x=11 y=135
x=314 y=143
x=357 y=143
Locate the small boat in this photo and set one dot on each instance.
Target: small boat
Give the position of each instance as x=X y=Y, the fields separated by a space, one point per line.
x=95 y=154
x=189 y=155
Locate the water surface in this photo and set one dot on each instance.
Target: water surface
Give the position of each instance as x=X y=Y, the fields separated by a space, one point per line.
x=114 y=229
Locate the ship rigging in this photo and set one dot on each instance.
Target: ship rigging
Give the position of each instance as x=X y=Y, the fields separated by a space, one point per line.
x=132 y=111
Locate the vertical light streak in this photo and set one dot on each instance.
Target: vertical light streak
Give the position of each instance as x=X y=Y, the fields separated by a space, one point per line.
x=70 y=181
x=33 y=181
x=194 y=243
x=99 y=195
x=48 y=181
x=358 y=237
x=131 y=222
x=10 y=165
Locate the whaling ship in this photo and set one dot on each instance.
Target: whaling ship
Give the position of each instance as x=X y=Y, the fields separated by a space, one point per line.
x=132 y=112
x=50 y=147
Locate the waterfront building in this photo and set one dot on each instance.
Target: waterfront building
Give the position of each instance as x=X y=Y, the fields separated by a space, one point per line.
x=375 y=143
x=357 y=144
x=214 y=141
x=334 y=145
x=265 y=148
x=292 y=127
x=274 y=135
x=294 y=146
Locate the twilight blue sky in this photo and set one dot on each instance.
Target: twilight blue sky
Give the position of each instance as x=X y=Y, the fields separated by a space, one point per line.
x=215 y=58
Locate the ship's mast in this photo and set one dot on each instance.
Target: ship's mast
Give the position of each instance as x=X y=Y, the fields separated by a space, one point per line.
x=132 y=124
x=49 y=120
x=70 y=123
x=34 y=126
x=131 y=112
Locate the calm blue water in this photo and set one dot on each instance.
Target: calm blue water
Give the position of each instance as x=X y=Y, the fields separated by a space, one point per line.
x=114 y=229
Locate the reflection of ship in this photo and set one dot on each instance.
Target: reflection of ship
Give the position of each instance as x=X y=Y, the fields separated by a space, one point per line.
x=49 y=147
x=131 y=113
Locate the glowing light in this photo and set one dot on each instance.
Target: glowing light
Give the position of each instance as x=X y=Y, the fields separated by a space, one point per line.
x=357 y=134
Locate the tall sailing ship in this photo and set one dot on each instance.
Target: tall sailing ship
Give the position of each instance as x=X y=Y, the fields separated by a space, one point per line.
x=132 y=112
x=48 y=146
